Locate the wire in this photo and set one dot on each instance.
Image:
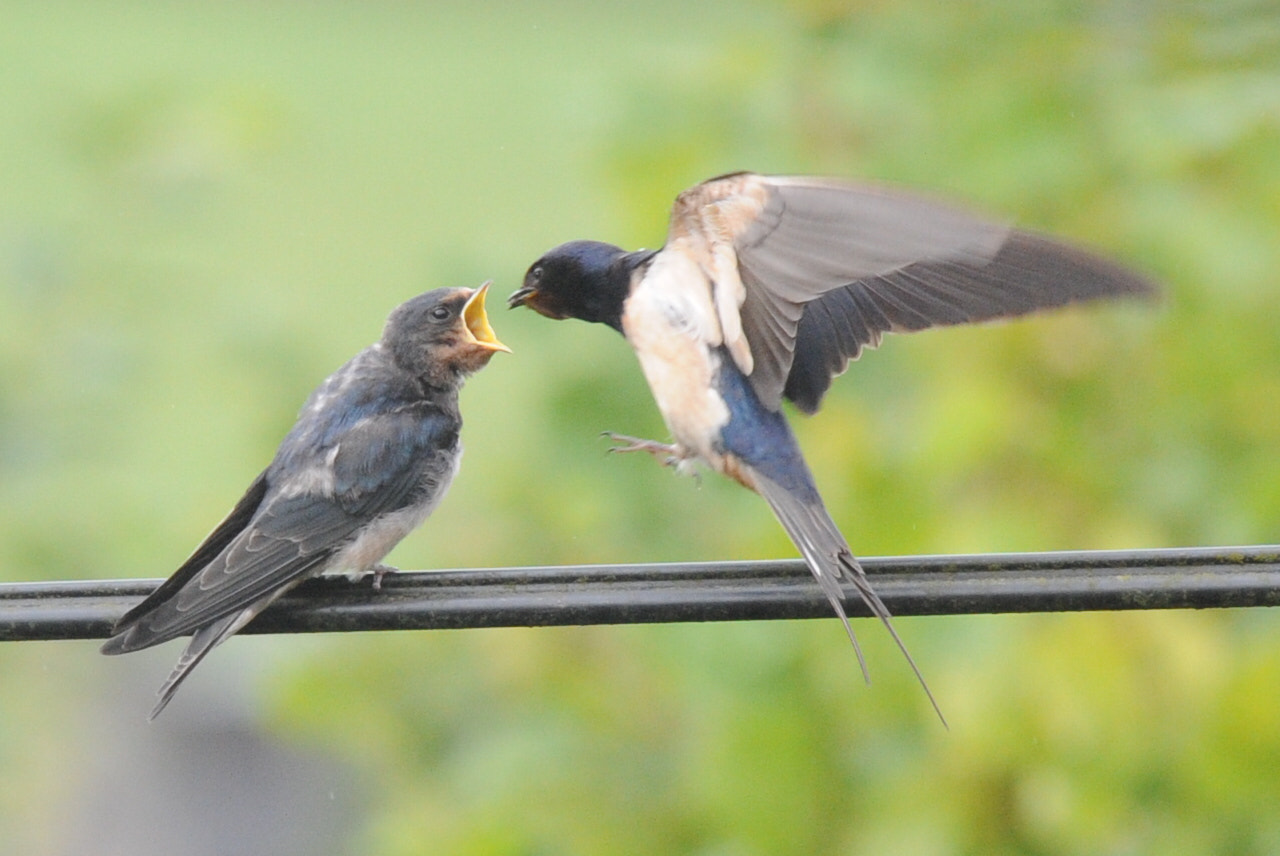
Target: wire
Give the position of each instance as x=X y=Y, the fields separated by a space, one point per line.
x=708 y=591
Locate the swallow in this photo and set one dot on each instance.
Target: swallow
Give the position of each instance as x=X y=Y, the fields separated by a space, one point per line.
x=373 y=452
x=766 y=288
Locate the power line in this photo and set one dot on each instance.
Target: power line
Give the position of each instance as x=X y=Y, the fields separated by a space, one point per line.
x=704 y=591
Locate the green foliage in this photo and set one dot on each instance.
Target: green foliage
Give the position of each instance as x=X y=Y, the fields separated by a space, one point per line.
x=208 y=208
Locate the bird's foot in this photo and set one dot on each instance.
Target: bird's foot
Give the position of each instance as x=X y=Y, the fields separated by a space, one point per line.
x=380 y=571
x=667 y=454
x=664 y=453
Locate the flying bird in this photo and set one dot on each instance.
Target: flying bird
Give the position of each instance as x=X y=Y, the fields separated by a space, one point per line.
x=766 y=288
x=371 y=455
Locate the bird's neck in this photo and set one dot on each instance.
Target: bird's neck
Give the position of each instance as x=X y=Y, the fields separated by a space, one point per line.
x=615 y=286
x=435 y=379
x=441 y=383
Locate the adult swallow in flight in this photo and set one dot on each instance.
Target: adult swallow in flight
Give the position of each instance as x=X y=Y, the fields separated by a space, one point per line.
x=766 y=288
x=372 y=453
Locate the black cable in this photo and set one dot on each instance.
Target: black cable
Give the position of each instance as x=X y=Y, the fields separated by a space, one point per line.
x=709 y=591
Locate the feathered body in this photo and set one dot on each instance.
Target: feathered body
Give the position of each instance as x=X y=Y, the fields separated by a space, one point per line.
x=766 y=288
x=373 y=452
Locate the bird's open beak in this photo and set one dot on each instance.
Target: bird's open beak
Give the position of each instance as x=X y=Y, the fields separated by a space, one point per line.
x=529 y=296
x=477 y=321
x=519 y=297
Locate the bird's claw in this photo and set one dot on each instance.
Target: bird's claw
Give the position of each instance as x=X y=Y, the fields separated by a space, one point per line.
x=667 y=454
x=664 y=453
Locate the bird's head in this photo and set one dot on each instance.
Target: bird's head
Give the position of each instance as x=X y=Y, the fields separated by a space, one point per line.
x=588 y=280
x=442 y=332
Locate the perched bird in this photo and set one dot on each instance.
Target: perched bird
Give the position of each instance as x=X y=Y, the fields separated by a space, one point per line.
x=766 y=288
x=372 y=453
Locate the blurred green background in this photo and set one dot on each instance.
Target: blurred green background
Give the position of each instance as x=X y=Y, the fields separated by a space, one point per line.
x=206 y=208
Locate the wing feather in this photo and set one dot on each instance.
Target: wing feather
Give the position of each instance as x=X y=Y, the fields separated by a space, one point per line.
x=1029 y=273
x=290 y=538
x=827 y=267
x=214 y=543
x=383 y=463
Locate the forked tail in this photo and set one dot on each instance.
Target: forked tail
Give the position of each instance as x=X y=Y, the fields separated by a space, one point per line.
x=832 y=562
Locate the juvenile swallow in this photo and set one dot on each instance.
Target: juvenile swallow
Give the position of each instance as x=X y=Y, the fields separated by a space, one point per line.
x=766 y=288
x=373 y=452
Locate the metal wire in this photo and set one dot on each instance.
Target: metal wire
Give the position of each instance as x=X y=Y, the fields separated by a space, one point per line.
x=711 y=591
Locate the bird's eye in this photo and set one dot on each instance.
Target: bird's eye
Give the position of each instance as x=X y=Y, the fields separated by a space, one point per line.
x=536 y=273
x=440 y=313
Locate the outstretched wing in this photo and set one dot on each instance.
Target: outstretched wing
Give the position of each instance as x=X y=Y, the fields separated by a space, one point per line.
x=381 y=464
x=807 y=272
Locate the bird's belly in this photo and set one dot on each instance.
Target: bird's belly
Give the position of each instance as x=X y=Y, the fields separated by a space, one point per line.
x=680 y=369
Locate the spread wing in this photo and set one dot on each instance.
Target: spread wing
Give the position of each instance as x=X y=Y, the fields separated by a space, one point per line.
x=308 y=511
x=807 y=272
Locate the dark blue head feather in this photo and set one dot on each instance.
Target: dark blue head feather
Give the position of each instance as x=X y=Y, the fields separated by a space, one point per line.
x=587 y=280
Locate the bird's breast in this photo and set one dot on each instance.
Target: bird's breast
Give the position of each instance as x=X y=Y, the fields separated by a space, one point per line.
x=670 y=322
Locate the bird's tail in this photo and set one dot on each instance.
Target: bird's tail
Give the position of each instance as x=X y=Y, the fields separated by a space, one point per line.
x=832 y=562
x=202 y=642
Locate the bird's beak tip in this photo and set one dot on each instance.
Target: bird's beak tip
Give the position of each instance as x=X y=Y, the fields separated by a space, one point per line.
x=519 y=296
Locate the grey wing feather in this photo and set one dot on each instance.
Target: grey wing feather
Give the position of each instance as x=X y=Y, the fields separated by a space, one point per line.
x=216 y=541
x=876 y=261
x=813 y=235
x=291 y=538
x=381 y=464
x=1030 y=272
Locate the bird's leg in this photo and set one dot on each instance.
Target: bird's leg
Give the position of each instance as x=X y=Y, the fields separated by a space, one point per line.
x=664 y=453
x=668 y=454
x=379 y=571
